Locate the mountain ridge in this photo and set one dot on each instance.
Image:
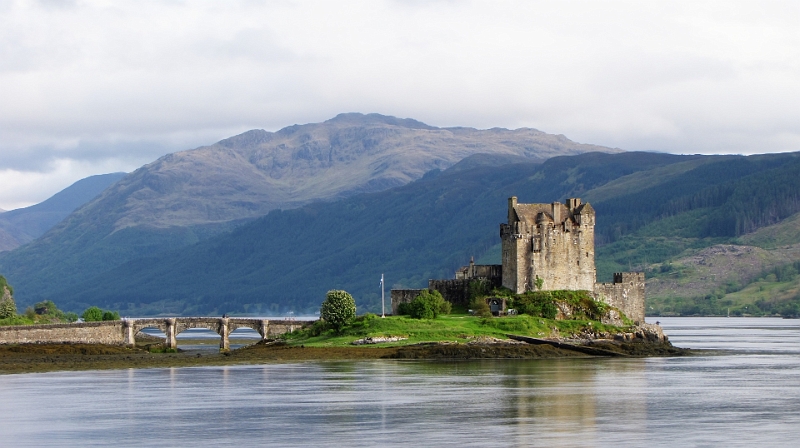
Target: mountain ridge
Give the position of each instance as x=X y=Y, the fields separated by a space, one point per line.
x=23 y=225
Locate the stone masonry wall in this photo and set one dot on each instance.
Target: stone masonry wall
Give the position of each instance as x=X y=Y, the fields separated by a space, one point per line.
x=110 y=333
x=626 y=293
x=454 y=291
x=403 y=296
x=552 y=242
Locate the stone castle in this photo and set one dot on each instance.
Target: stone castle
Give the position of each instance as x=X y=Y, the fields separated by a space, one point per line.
x=544 y=247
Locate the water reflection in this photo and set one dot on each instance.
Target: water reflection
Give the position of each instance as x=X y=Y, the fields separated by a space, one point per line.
x=740 y=396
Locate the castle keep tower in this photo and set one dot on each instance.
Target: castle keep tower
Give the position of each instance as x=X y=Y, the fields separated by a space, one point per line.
x=553 y=243
x=545 y=247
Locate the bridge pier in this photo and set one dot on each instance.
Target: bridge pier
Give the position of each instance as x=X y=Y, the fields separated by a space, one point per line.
x=129 y=334
x=263 y=329
x=224 y=342
x=170 y=333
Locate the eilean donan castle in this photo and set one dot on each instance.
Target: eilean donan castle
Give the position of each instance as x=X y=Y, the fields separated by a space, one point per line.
x=545 y=247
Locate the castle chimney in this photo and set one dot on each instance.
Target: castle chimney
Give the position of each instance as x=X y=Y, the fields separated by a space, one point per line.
x=512 y=202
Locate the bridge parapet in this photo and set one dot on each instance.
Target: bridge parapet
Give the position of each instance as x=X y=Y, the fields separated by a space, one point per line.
x=123 y=332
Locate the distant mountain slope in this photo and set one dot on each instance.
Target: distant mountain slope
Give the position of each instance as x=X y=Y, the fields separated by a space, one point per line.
x=250 y=174
x=23 y=225
x=187 y=196
x=288 y=258
x=671 y=208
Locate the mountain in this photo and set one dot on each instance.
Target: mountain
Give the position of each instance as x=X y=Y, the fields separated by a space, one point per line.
x=426 y=229
x=191 y=195
x=250 y=174
x=23 y=225
x=654 y=212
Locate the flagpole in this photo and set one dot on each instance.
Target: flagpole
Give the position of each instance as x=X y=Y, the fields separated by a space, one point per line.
x=383 y=307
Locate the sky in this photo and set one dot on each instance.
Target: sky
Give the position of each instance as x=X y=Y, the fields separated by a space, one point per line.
x=92 y=87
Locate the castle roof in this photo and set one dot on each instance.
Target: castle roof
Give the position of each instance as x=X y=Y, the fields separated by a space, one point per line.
x=528 y=213
x=584 y=209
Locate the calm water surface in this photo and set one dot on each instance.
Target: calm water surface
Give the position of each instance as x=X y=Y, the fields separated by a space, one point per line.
x=742 y=390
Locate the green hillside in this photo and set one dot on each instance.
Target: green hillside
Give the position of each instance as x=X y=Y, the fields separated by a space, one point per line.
x=653 y=211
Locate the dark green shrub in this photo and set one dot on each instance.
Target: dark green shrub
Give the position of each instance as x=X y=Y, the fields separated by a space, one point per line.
x=45 y=307
x=92 y=314
x=338 y=309
x=404 y=309
x=480 y=308
x=110 y=315
x=428 y=305
x=537 y=303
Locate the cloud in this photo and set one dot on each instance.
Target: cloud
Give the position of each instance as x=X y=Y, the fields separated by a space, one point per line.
x=117 y=84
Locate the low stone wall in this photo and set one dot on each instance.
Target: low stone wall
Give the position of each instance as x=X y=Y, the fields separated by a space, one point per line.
x=279 y=327
x=122 y=332
x=110 y=333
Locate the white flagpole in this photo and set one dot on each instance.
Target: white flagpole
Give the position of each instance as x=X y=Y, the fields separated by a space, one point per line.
x=383 y=307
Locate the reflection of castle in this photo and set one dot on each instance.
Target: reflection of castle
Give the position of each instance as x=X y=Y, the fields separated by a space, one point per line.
x=545 y=247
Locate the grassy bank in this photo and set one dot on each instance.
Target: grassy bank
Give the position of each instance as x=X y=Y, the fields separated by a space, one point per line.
x=450 y=328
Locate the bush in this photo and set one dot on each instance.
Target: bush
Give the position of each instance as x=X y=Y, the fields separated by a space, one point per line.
x=110 y=315
x=428 y=305
x=538 y=303
x=479 y=307
x=46 y=307
x=92 y=314
x=8 y=308
x=338 y=309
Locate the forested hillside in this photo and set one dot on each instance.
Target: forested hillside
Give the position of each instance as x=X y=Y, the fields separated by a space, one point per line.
x=651 y=208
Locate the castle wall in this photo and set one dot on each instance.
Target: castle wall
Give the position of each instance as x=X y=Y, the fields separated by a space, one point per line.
x=403 y=296
x=564 y=258
x=626 y=293
x=478 y=271
x=454 y=291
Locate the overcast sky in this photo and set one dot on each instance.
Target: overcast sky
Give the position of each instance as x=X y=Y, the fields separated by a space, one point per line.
x=90 y=87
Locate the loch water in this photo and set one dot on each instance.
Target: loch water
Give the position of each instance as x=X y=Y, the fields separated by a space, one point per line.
x=741 y=388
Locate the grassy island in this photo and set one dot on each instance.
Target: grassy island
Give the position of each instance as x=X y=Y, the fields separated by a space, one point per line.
x=567 y=325
x=457 y=328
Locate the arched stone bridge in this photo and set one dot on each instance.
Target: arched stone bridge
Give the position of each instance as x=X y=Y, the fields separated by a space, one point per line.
x=123 y=332
x=224 y=326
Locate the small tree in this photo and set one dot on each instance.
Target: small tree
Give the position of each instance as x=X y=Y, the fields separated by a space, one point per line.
x=428 y=305
x=338 y=309
x=8 y=308
x=92 y=314
x=479 y=307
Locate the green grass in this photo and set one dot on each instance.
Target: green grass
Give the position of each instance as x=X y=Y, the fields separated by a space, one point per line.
x=16 y=320
x=456 y=328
